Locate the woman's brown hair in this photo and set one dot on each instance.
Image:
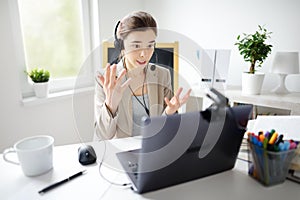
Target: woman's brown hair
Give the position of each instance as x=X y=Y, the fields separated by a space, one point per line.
x=136 y=21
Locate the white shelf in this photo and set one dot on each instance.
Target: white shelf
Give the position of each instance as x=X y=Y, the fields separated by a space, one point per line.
x=290 y=101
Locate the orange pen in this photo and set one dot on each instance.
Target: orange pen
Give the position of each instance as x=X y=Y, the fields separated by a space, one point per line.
x=261 y=137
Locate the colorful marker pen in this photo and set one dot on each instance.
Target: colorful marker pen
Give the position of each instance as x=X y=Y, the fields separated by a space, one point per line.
x=273 y=138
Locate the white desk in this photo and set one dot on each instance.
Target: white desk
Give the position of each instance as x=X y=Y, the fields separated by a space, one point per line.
x=289 y=101
x=233 y=184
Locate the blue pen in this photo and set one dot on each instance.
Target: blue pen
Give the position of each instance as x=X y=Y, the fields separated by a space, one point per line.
x=286 y=145
x=257 y=157
x=259 y=143
x=281 y=146
x=254 y=140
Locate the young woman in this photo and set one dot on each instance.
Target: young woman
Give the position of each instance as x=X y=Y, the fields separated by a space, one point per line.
x=134 y=87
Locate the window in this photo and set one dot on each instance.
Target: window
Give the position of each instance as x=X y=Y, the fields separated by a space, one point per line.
x=56 y=35
x=52 y=35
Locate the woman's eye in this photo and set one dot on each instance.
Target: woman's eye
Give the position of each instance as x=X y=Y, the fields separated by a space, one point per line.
x=137 y=46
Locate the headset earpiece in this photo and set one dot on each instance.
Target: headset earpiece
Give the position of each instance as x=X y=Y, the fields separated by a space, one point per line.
x=118 y=42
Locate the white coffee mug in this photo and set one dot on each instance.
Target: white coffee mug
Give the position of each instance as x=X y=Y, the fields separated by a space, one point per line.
x=35 y=154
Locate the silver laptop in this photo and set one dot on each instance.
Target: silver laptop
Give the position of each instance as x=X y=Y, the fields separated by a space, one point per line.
x=183 y=147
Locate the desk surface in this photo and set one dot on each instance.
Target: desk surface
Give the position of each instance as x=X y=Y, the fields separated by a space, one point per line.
x=233 y=184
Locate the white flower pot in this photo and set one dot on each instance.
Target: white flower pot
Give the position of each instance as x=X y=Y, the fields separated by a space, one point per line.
x=252 y=83
x=41 y=89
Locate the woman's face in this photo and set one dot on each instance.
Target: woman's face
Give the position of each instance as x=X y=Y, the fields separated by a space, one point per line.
x=138 y=48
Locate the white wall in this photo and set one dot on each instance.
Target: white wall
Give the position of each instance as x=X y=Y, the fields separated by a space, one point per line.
x=215 y=24
x=111 y=11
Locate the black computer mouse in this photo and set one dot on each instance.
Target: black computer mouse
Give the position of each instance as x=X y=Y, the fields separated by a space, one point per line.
x=86 y=155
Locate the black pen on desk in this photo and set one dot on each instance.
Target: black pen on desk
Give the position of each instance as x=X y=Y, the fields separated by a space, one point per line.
x=54 y=185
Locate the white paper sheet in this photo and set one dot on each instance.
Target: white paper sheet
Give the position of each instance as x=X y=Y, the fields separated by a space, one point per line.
x=289 y=125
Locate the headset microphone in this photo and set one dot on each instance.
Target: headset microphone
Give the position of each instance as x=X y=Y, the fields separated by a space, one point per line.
x=153 y=67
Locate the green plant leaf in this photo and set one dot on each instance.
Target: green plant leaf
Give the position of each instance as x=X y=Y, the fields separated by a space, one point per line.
x=39 y=75
x=253 y=47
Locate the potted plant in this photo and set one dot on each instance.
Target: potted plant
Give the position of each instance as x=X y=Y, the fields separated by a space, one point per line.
x=40 y=78
x=254 y=49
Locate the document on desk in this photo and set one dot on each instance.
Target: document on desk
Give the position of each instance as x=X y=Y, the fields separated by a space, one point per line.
x=288 y=125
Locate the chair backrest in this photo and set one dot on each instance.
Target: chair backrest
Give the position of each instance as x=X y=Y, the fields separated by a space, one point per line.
x=166 y=55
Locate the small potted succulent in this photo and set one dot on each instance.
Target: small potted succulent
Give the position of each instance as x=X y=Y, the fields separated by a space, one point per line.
x=254 y=49
x=40 y=78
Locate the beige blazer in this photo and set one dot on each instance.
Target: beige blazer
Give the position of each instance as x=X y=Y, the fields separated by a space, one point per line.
x=158 y=80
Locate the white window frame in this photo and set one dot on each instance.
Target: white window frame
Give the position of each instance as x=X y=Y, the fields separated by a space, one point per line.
x=90 y=22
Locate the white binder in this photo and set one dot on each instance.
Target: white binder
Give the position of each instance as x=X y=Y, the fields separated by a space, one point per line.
x=206 y=64
x=221 y=66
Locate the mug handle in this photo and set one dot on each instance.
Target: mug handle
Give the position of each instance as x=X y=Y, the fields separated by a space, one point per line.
x=7 y=151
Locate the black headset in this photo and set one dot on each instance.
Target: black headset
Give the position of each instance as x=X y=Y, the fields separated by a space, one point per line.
x=119 y=45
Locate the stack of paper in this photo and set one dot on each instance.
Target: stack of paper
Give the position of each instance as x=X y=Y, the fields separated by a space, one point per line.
x=288 y=125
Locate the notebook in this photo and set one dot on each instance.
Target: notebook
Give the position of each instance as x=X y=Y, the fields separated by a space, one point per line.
x=184 y=147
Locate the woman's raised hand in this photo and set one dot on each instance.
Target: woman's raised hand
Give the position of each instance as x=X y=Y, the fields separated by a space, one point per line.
x=176 y=102
x=113 y=86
